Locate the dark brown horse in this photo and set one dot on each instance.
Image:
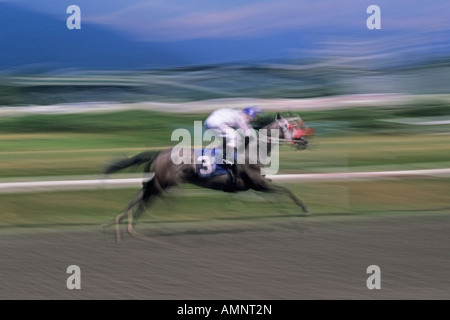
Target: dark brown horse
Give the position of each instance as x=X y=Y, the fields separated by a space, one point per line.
x=167 y=174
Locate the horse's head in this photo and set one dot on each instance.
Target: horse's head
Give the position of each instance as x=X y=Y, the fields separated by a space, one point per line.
x=291 y=130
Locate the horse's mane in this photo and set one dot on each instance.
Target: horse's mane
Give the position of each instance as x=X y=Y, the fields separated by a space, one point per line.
x=263 y=120
x=268 y=118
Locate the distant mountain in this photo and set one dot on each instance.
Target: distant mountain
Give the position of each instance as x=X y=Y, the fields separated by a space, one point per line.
x=34 y=39
x=37 y=41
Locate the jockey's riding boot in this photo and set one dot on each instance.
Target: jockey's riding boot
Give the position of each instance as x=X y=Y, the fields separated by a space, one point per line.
x=231 y=168
x=232 y=172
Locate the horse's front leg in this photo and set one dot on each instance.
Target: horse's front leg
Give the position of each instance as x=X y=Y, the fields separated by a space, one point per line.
x=261 y=183
x=267 y=186
x=290 y=194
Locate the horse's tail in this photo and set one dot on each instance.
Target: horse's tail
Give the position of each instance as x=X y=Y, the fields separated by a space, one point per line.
x=146 y=157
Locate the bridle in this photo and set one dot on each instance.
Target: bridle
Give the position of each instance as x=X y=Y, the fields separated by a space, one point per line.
x=285 y=126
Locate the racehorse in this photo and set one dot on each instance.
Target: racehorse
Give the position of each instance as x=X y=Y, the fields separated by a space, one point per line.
x=167 y=174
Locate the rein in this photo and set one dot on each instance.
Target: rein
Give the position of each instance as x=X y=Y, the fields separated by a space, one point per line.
x=280 y=140
x=284 y=128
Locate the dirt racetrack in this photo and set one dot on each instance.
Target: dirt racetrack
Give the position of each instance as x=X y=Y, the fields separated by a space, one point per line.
x=278 y=258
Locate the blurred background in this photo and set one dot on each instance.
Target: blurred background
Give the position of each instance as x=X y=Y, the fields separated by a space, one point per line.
x=71 y=100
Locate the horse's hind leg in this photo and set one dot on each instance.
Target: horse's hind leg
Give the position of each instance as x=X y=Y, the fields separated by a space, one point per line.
x=142 y=206
x=137 y=199
x=137 y=208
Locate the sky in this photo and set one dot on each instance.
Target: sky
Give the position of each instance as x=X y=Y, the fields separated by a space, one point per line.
x=250 y=30
x=169 y=20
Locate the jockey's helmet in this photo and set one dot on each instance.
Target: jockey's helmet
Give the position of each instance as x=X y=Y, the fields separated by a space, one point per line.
x=252 y=111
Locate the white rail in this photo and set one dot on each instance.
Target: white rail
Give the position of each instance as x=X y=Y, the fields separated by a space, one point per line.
x=66 y=185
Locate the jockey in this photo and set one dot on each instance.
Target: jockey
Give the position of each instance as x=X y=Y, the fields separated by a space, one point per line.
x=227 y=121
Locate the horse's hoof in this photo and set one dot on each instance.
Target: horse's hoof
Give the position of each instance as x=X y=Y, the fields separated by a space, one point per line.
x=305 y=212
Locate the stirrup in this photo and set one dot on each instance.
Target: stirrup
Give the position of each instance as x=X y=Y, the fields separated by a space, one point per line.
x=227 y=162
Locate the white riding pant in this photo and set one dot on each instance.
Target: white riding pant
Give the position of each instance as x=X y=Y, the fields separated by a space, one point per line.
x=230 y=135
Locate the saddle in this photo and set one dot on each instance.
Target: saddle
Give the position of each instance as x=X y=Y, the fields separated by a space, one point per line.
x=210 y=163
